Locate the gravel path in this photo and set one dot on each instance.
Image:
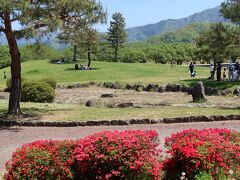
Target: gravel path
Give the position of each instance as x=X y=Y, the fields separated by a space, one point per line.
x=12 y=138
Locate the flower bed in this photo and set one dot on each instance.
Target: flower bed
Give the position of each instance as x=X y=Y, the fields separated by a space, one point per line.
x=194 y=154
x=215 y=151
x=105 y=155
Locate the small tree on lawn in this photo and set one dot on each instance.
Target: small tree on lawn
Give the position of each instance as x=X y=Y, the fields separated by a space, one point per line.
x=116 y=33
x=44 y=16
x=90 y=42
x=215 y=41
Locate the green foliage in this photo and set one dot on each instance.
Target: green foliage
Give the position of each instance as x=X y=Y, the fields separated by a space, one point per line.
x=39 y=92
x=9 y=81
x=203 y=176
x=117 y=34
x=4 y=57
x=50 y=81
x=39 y=52
x=230 y=9
x=186 y=34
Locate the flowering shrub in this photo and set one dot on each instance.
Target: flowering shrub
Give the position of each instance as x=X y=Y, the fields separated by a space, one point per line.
x=42 y=160
x=118 y=155
x=209 y=150
x=105 y=155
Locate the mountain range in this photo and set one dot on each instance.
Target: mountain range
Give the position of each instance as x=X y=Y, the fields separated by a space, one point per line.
x=144 y=32
x=140 y=33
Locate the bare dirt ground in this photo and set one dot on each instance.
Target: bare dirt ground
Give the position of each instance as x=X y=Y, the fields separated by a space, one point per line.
x=15 y=137
x=81 y=95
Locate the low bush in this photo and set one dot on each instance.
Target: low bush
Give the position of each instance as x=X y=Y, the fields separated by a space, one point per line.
x=116 y=155
x=214 y=151
x=42 y=160
x=50 y=81
x=9 y=81
x=39 y=92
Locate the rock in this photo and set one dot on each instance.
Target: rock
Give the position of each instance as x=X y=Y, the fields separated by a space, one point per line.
x=152 y=88
x=91 y=83
x=71 y=86
x=138 y=87
x=173 y=88
x=198 y=92
x=125 y=105
x=225 y=92
x=107 y=95
x=61 y=86
x=90 y=103
x=211 y=91
x=186 y=89
x=161 y=89
x=237 y=91
x=111 y=85
x=128 y=87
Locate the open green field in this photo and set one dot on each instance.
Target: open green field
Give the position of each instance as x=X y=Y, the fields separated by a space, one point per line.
x=107 y=71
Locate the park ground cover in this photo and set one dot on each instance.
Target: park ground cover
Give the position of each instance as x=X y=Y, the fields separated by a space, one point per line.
x=111 y=72
x=69 y=104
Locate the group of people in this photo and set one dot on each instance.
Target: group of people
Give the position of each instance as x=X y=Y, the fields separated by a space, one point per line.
x=233 y=71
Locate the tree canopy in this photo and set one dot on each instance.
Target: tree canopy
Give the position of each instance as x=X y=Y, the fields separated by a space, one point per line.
x=37 y=18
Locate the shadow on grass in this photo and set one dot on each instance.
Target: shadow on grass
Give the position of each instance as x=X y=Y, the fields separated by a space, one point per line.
x=29 y=114
x=211 y=83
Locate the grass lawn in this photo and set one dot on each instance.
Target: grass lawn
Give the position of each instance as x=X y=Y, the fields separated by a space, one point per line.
x=107 y=71
x=70 y=112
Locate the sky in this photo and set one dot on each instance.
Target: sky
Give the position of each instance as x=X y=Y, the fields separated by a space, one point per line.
x=142 y=12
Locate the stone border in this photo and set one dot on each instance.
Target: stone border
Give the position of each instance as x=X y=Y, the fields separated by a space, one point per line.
x=9 y=123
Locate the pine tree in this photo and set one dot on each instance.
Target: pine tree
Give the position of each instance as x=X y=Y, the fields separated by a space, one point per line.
x=116 y=33
x=39 y=17
x=231 y=10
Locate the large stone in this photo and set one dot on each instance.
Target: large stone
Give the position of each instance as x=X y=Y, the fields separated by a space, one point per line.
x=152 y=88
x=125 y=105
x=198 y=92
x=161 y=89
x=173 y=87
x=211 y=91
x=138 y=87
x=237 y=91
x=90 y=103
x=107 y=95
x=186 y=89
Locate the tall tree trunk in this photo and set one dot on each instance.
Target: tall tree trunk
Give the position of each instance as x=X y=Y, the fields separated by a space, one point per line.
x=116 y=54
x=219 y=68
x=214 y=70
x=14 y=100
x=74 y=53
x=89 y=57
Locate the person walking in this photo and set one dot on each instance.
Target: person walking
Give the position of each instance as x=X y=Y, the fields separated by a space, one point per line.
x=211 y=71
x=230 y=68
x=237 y=68
x=4 y=75
x=191 y=68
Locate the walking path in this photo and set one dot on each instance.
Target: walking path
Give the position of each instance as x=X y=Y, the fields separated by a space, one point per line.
x=15 y=137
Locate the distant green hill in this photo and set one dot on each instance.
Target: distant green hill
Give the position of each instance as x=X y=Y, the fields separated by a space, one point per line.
x=144 y=32
x=183 y=35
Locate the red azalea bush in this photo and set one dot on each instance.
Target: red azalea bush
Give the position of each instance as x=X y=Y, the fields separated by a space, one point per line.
x=209 y=150
x=105 y=155
x=118 y=155
x=42 y=160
